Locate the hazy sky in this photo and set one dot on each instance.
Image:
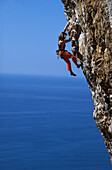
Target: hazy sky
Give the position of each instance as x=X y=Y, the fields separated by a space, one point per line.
x=29 y=35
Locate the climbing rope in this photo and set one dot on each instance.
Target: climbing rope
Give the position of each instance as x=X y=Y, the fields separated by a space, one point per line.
x=83 y=63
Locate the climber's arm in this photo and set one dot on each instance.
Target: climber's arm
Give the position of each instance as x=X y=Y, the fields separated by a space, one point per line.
x=66 y=41
x=66 y=26
x=70 y=38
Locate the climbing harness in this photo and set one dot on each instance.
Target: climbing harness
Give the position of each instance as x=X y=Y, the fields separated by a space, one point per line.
x=62 y=52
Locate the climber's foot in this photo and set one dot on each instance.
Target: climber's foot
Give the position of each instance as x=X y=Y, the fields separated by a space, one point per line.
x=79 y=65
x=72 y=74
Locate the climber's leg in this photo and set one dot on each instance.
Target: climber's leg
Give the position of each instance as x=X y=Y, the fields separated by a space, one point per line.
x=75 y=61
x=66 y=57
x=69 y=55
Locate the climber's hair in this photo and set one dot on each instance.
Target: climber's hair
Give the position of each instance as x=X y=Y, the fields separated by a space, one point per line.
x=62 y=36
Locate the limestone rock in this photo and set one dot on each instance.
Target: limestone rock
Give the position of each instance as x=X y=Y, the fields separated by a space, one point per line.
x=93 y=21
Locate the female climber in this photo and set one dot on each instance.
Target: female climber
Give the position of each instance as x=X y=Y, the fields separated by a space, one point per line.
x=65 y=55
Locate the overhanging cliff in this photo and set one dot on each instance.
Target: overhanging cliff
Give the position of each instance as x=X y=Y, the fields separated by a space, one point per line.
x=92 y=21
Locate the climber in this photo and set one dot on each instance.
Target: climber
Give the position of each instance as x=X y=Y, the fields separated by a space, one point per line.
x=65 y=55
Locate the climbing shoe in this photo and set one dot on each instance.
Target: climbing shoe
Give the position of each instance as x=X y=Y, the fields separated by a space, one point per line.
x=79 y=65
x=72 y=74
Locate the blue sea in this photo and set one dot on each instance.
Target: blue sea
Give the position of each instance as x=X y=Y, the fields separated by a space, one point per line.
x=46 y=123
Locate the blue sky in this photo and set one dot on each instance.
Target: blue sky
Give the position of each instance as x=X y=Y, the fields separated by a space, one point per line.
x=29 y=35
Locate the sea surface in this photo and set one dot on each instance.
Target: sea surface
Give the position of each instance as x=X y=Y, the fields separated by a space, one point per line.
x=46 y=123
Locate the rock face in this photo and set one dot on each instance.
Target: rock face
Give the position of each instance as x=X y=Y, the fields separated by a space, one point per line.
x=92 y=21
